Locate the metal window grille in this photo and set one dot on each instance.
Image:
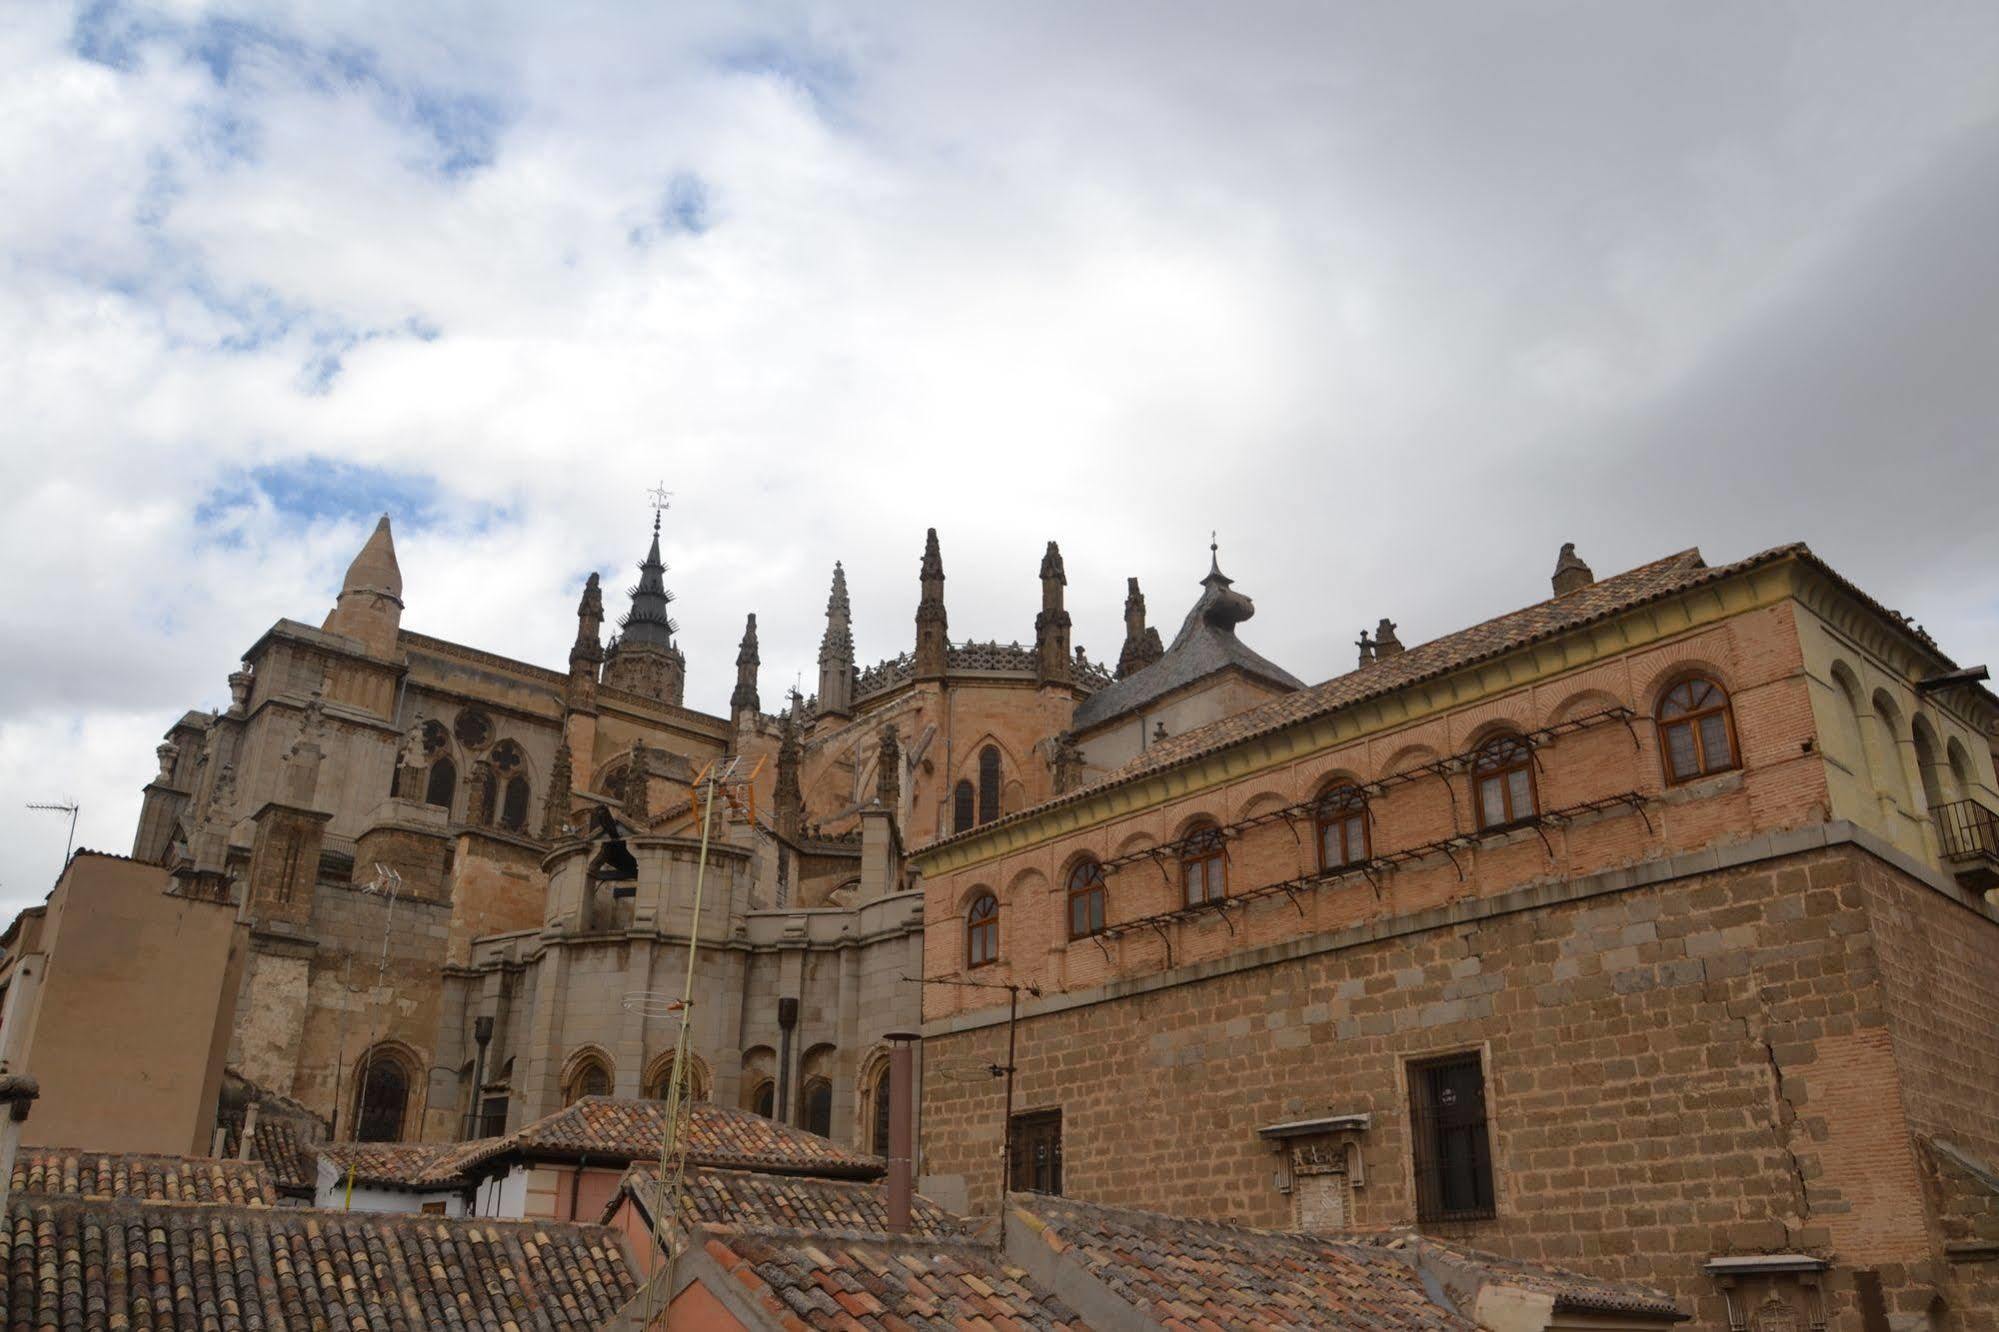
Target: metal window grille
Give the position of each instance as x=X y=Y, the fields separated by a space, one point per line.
x=1037 y=1153
x=1453 y=1155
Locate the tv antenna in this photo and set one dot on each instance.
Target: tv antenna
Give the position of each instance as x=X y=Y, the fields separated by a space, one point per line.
x=69 y=807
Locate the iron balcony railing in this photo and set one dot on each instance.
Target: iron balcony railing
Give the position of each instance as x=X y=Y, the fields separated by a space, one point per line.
x=1968 y=831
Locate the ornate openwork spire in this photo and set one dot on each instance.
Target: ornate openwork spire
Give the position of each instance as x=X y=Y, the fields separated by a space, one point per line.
x=836 y=651
x=744 y=702
x=932 y=642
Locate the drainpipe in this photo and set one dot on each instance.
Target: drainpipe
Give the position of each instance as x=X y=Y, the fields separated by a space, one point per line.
x=901 y=1113
x=249 y=1139
x=482 y=1032
x=787 y=1019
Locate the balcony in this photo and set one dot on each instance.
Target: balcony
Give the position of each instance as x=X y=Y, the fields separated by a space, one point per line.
x=1969 y=835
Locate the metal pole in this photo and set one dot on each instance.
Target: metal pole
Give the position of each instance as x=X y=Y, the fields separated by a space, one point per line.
x=1006 y=1149
x=676 y=1077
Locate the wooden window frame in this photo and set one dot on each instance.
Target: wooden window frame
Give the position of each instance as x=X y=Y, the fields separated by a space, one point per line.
x=1089 y=893
x=1339 y=805
x=1485 y=767
x=1430 y=1148
x=1691 y=720
x=1022 y=1130
x=982 y=929
x=1204 y=857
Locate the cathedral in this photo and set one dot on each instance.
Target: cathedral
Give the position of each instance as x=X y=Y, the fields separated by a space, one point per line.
x=469 y=880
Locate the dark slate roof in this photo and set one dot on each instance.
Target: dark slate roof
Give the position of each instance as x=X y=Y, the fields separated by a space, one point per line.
x=99 y=1264
x=1206 y=645
x=1182 y=1273
x=609 y=1128
x=751 y=1200
x=65 y=1170
x=818 y=1281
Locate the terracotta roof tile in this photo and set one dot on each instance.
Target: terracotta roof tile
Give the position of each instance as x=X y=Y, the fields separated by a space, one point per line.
x=289 y=1157
x=400 y=1164
x=1207 y=1274
x=1572 y=1291
x=834 y=1282
x=97 y=1265
x=751 y=1200
x=610 y=1128
x=64 y=1170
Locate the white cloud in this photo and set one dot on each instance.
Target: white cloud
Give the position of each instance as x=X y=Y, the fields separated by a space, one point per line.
x=1397 y=299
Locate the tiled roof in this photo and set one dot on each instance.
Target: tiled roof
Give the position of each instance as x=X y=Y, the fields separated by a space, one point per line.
x=1204 y=1274
x=751 y=1200
x=64 y=1170
x=1571 y=1291
x=817 y=1281
x=276 y=1143
x=97 y=1265
x=609 y=1128
x=401 y=1164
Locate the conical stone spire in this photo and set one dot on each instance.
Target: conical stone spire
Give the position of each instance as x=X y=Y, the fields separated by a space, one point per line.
x=932 y=643
x=370 y=605
x=836 y=651
x=743 y=703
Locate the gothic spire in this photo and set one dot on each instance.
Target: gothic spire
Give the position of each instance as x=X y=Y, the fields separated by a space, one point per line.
x=836 y=651
x=647 y=621
x=1141 y=645
x=1051 y=626
x=932 y=644
x=743 y=702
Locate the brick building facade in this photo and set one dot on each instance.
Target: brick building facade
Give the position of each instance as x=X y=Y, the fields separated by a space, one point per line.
x=1637 y=931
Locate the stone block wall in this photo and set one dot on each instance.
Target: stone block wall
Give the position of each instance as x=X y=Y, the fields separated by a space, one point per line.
x=1680 y=1062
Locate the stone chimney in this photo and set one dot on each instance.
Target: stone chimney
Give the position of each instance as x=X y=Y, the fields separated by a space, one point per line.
x=1142 y=646
x=1571 y=574
x=743 y=703
x=1051 y=627
x=901 y=1128
x=932 y=644
x=836 y=652
x=1386 y=644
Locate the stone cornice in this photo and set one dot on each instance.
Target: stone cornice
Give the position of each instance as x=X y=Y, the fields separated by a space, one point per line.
x=1853 y=616
x=409 y=639
x=1534 y=663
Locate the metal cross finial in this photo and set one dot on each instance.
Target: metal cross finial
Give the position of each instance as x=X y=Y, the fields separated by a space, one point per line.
x=1214 y=545
x=661 y=499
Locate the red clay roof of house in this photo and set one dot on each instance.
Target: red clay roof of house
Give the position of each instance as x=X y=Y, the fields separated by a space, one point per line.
x=621 y=1130
x=806 y=1280
x=401 y=1164
x=1204 y=1274
x=65 y=1170
x=276 y=1143
x=102 y=1264
x=1572 y=1291
x=750 y=1200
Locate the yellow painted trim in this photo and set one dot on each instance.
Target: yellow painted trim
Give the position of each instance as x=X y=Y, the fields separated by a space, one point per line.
x=1751 y=590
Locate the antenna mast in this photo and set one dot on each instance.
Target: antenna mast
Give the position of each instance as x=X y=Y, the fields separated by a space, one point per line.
x=69 y=807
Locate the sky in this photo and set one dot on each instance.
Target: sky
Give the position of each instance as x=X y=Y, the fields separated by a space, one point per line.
x=1394 y=299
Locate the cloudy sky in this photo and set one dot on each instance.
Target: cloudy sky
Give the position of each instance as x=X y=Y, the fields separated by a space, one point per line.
x=1396 y=298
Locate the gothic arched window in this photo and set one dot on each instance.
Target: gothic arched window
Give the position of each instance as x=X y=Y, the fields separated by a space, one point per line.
x=1503 y=782
x=1696 y=730
x=381 y=1098
x=819 y=1107
x=964 y=812
x=1086 y=899
x=443 y=783
x=763 y=1098
x=590 y=1076
x=514 y=812
x=879 y=1105
x=982 y=931
x=989 y=783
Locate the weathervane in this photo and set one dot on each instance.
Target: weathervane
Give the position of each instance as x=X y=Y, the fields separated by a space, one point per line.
x=661 y=499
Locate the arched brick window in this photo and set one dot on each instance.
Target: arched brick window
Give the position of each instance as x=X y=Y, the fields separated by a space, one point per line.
x=1503 y=782
x=1341 y=818
x=1204 y=865
x=964 y=809
x=982 y=931
x=1086 y=899
x=989 y=783
x=1696 y=730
